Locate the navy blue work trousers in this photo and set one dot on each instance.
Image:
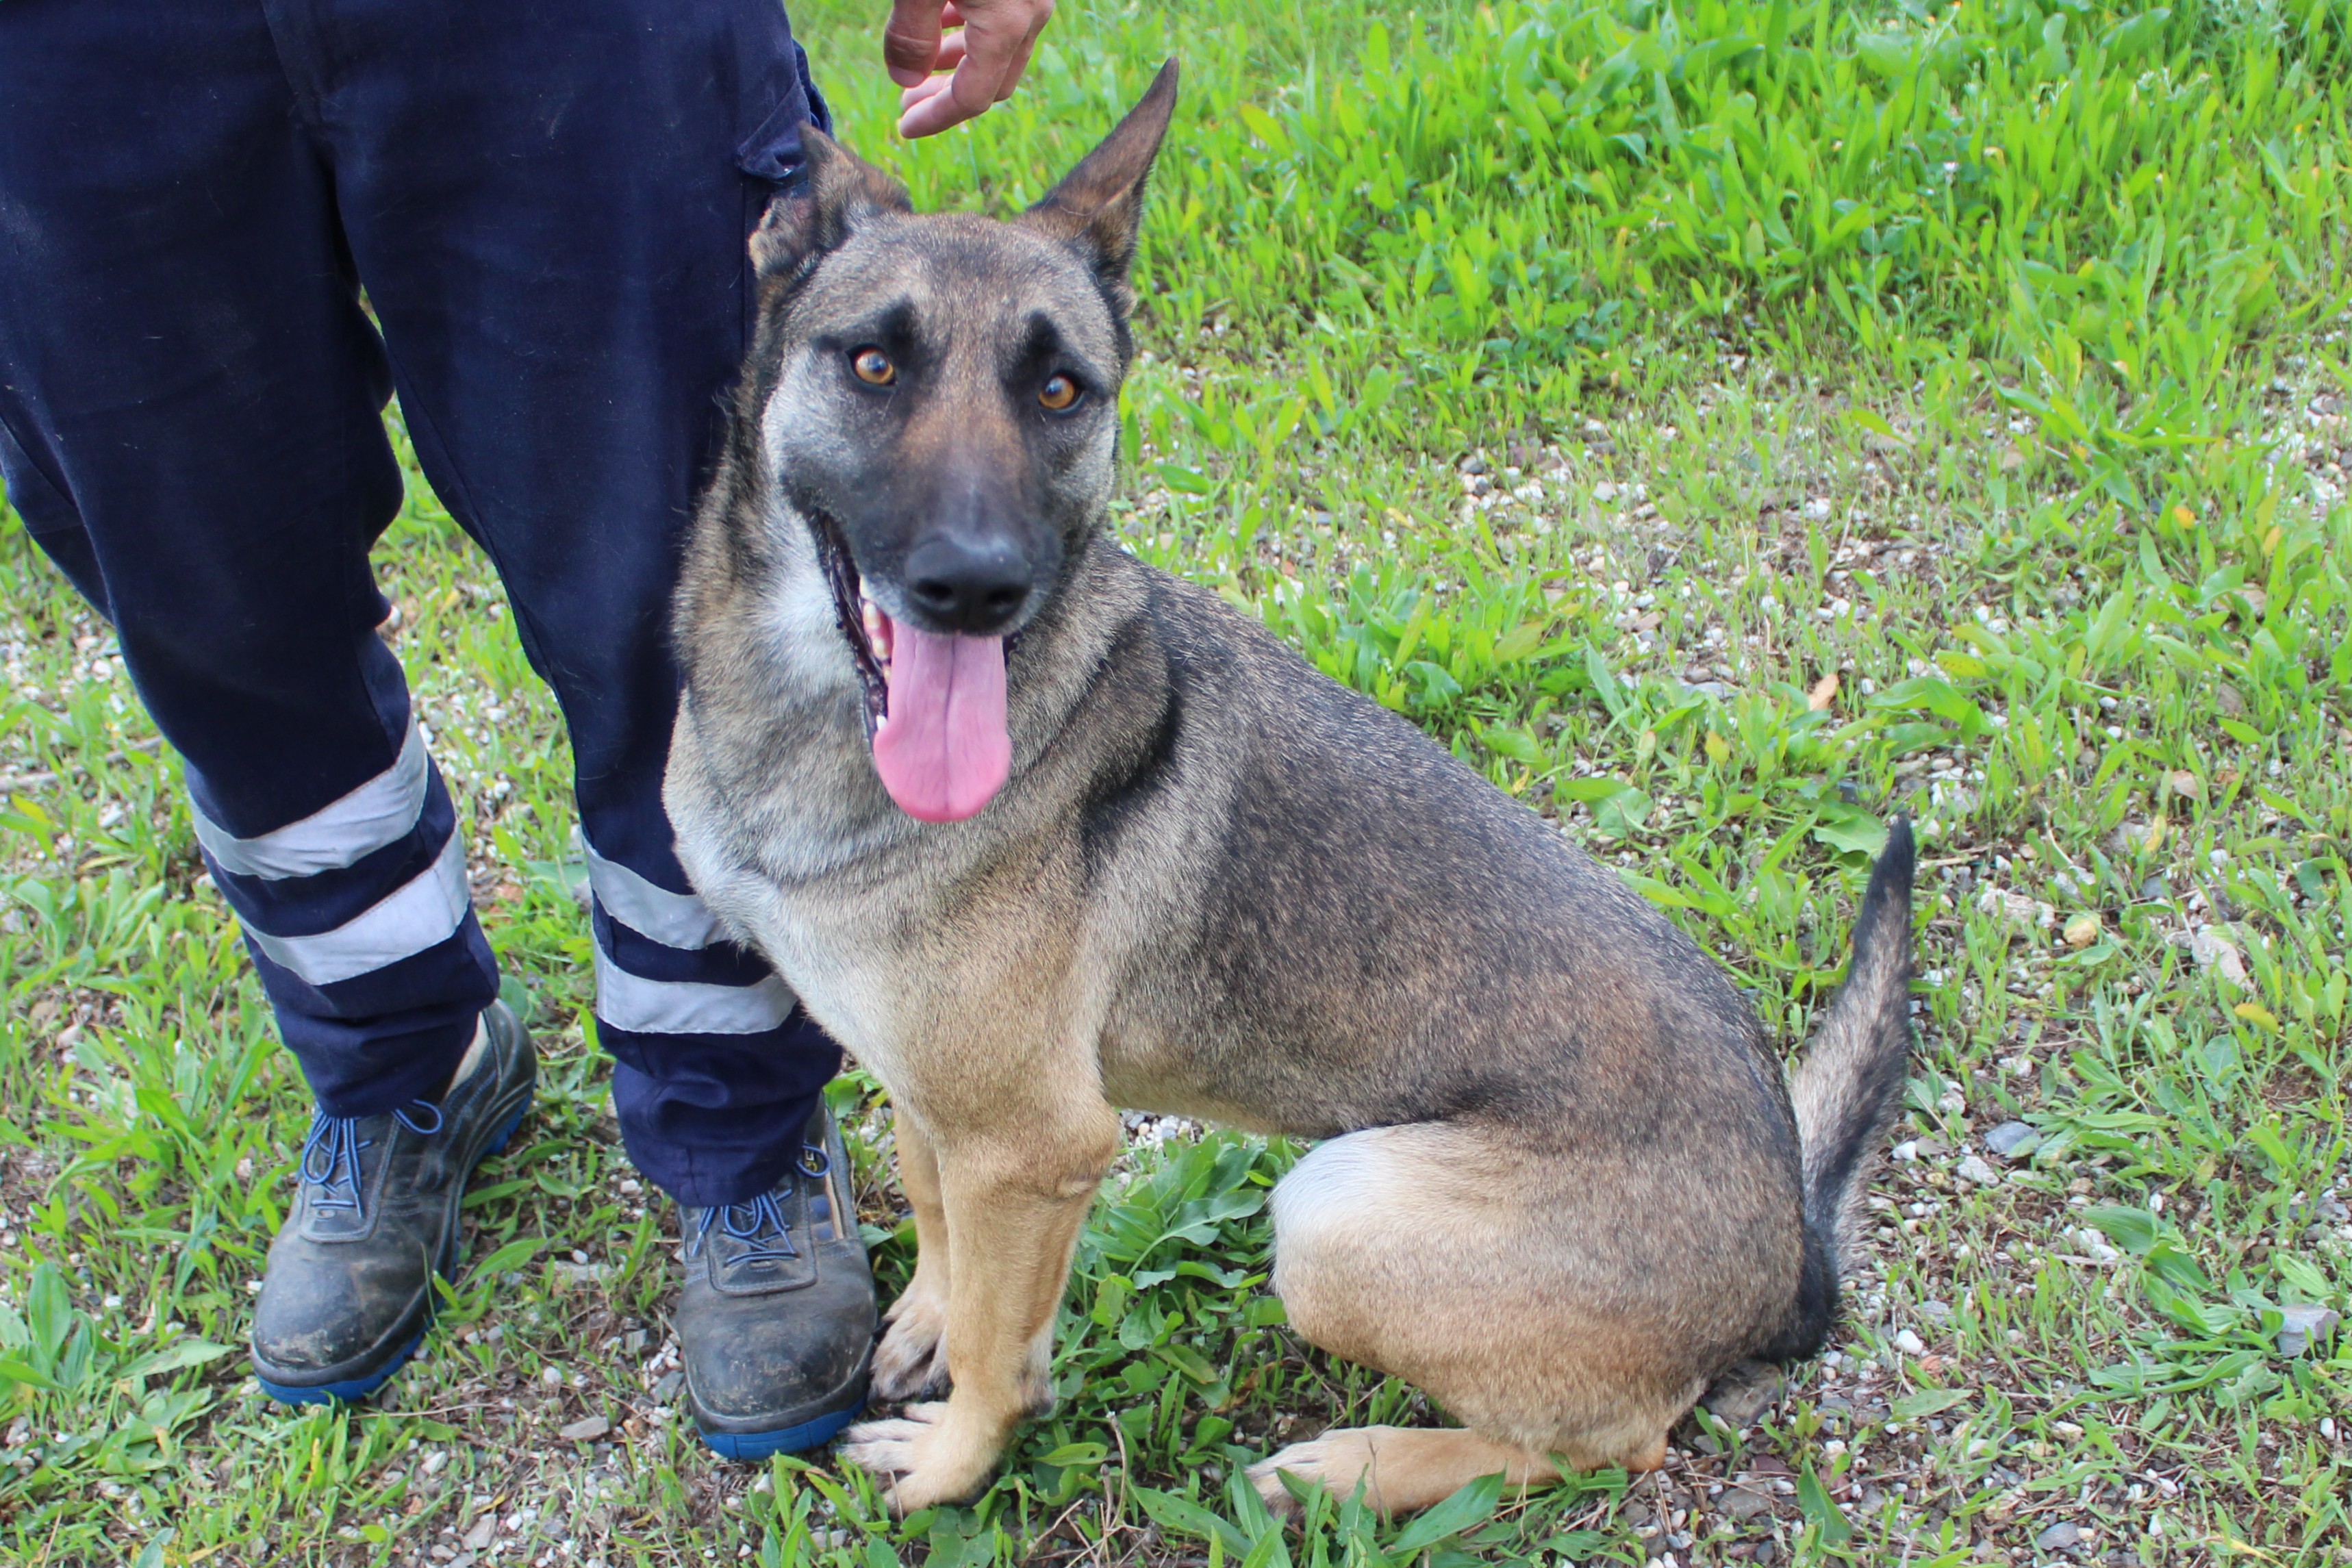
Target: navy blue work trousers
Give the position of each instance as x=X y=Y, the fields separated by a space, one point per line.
x=544 y=205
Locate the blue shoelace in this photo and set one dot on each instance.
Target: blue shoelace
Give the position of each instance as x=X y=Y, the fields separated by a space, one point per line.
x=331 y=1155
x=761 y=1218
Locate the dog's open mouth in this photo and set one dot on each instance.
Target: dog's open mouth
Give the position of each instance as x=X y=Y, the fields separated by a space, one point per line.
x=934 y=703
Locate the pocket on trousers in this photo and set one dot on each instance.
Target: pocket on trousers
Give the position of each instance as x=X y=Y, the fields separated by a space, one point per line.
x=38 y=499
x=52 y=519
x=773 y=151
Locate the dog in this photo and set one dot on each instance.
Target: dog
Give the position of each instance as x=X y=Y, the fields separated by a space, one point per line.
x=1037 y=831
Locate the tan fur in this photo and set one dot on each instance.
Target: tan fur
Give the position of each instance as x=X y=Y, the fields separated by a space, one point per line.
x=1508 y=1330
x=1402 y=1470
x=912 y=1360
x=1012 y=1214
x=1560 y=1186
x=985 y=1040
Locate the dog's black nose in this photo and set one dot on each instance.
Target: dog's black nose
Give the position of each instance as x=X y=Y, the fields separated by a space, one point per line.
x=973 y=588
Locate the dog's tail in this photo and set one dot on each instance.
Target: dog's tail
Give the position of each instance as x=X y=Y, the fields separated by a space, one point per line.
x=1849 y=1083
x=1846 y=1089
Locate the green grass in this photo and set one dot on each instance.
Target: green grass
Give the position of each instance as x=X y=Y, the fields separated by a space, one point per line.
x=1593 y=386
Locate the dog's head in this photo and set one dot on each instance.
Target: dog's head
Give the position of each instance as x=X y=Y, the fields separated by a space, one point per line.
x=938 y=401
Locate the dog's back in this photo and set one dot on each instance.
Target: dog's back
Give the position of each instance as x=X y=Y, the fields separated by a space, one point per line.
x=1378 y=936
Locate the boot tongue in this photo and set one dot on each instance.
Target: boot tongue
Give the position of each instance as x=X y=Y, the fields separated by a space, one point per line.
x=942 y=749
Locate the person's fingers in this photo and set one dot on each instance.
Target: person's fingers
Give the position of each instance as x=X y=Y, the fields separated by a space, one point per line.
x=1017 y=61
x=1012 y=69
x=1020 y=65
x=939 y=109
x=910 y=39
x=971 y=90
x=993 y=49
x=928 y=89
x=952 y=51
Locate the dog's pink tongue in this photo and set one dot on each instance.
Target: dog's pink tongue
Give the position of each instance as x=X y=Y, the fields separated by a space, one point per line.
x=942 y=750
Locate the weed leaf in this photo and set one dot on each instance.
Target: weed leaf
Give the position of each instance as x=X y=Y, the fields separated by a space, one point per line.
x=1471 y=1506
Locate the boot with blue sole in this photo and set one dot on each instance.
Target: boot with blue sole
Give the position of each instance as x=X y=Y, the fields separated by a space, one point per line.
x=348 y=1292
x=776 y=1320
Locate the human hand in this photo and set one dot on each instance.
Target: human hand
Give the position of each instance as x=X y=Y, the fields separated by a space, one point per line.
x=946 y=77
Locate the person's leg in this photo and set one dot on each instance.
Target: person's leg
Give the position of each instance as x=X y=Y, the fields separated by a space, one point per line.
x=192 y=395
x=548 y=207
x=193 y=399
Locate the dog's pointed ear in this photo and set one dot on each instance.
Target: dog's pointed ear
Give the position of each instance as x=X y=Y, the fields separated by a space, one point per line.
x=1098 y=206
x=839 y=191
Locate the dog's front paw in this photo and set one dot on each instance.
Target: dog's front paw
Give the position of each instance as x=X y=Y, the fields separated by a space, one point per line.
x=930 y=1454
x=911 y=1362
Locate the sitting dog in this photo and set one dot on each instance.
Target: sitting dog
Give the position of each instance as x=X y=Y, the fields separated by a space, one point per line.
x=1037 y=832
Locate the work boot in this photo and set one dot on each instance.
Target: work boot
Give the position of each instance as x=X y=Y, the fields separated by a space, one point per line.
x=776 y=1321
x=350 y=1288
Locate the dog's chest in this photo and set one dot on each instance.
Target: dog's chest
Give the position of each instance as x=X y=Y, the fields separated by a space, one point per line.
x=844 y=956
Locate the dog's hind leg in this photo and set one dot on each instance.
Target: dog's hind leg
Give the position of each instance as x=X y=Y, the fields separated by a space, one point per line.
x=1401 y=1468
x=911 y=1362
x=1014 y=1199
x=1504 y=1281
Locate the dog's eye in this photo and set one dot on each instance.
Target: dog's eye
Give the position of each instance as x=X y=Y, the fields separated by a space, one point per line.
x=873 y=367
x=1058 y=393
